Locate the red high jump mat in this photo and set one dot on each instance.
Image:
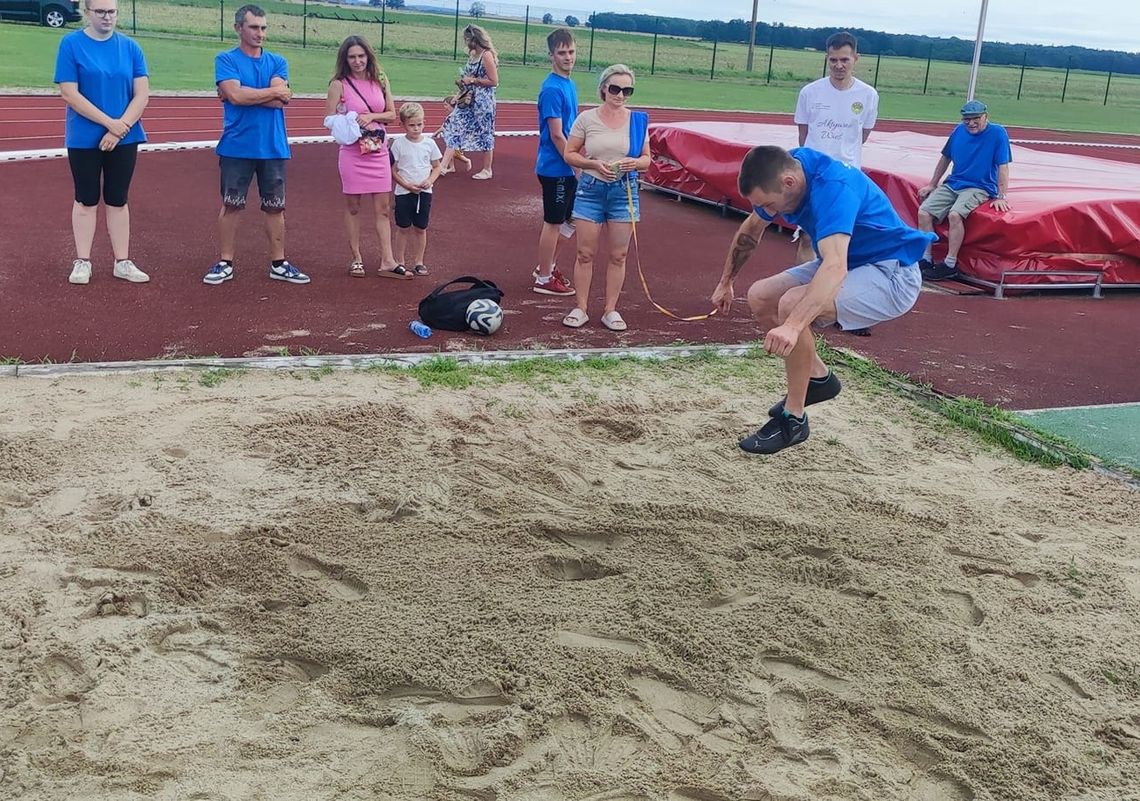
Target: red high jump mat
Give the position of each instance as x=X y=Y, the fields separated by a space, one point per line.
x=1067 y=212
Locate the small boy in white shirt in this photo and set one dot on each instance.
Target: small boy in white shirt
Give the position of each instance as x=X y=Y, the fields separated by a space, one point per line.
x=415 y=161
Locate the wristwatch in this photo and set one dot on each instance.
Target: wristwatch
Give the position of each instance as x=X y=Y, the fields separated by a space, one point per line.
x=1000 y=196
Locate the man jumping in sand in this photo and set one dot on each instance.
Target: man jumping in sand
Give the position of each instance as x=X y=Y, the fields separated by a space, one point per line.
x=865 y=271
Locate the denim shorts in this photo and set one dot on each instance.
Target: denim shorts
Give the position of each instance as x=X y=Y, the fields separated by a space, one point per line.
x=871 y=293
x=599 y=201
x=238 y=173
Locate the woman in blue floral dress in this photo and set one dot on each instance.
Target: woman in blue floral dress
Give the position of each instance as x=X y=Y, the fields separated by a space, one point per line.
x=472 y=128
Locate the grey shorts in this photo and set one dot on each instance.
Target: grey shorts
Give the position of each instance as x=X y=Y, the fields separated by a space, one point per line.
x=944 y=200
x=871 y=293
x=237 y=174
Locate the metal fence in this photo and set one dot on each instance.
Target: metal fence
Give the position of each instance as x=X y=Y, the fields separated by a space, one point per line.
x=432 y=29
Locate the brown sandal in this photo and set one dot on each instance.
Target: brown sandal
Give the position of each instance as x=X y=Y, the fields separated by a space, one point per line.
x=419 y=269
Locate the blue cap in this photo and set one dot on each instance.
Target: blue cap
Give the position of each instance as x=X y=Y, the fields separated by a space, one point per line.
x=973 y=108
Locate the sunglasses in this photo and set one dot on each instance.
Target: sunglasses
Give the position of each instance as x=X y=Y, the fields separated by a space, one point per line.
x=619 y=90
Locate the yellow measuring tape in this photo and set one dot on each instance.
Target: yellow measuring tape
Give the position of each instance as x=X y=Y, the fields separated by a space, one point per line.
x=641 y=273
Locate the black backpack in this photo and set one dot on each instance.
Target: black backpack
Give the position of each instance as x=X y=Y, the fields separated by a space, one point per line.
x=448 y=310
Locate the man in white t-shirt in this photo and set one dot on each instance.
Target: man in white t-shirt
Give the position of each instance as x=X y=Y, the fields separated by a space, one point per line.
x=835 y=114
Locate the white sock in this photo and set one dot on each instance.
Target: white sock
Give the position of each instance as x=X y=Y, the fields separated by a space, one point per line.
x=951 y=261
x=544 y=279
x=926 y=253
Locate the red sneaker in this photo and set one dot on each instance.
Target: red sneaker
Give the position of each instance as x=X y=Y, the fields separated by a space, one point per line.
x=555 y=273
x=555 y=286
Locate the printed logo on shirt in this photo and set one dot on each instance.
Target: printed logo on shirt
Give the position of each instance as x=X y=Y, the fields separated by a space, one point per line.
x=856 y=107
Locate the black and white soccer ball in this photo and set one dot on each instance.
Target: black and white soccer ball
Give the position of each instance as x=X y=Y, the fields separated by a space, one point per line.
x=484 y=316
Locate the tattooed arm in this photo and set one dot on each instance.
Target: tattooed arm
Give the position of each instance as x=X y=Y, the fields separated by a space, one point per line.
x=745 y=241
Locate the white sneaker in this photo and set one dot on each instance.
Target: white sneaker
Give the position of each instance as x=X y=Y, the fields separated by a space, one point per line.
x=80 y=271
x=126 y=269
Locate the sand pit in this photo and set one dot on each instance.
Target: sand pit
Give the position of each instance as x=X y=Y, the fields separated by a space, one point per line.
x=347 y=586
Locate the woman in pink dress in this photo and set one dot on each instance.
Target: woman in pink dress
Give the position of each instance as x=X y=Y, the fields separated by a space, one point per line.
x=359 y=85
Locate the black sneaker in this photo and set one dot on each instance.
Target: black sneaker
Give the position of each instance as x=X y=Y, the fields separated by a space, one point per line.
x=940 y=272
x=855 y=332
x=778 y=433
x=818 y=392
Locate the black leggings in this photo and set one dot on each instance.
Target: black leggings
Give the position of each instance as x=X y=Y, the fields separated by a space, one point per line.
x=115 y=167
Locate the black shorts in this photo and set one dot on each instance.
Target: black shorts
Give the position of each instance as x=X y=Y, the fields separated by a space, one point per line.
x=558 y=198
x=237 y=174
x=113 y=168
x=413 y=208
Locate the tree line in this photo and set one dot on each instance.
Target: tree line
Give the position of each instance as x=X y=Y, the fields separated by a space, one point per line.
x=874 y=42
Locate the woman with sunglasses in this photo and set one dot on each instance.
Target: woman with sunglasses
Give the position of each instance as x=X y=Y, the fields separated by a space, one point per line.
x=609 y=144
x=472 y=128
x=102 y=77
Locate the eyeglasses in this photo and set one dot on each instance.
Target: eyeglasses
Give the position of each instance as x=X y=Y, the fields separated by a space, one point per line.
x=104 y=12
x=615 y=90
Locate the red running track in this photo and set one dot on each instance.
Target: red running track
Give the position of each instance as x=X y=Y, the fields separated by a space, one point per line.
x=1030 y=352
x=36 y=122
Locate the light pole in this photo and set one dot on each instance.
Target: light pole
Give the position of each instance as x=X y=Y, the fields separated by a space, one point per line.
x=977 y=51
x=752 y=34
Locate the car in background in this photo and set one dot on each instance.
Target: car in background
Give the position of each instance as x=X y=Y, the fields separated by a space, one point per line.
x=52 y=13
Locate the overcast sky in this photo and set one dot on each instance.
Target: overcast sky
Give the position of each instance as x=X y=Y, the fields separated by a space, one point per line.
x=1106 y=24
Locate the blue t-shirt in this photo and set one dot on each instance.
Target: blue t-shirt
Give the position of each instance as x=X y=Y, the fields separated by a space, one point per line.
x=977 y=157
x=558 y=97
x=842 y=200
x=252 y=132
x=105 y=71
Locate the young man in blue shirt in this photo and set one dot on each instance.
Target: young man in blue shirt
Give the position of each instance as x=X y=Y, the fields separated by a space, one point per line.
x=557 y=110
x=253 y=85
x=980 y=153
x=865 y=271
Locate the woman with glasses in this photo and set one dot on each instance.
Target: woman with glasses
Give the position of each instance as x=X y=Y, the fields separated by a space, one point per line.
x=102 y=77
x=472 y=128
x=609 y=144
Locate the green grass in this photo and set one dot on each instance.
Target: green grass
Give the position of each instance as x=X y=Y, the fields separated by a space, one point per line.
x=187 y=64
x=216 y=375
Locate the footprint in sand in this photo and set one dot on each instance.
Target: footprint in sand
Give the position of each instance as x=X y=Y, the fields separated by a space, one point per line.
x=333 y=579
x=292 y=672
x=416 y=704
x=610 y=430
x=115 y=604
x=62 y=678
x=294 y=668
x=940 y=788
x=962 y=608
x=573 y=568
x=696 y=794
x=580 y=539
x=1024 y=579
x=1068 y=684
x=580 y=748
x=573 y=638
x=933 y=723
x=733 y=600
x=787 y=718
x=194 y=652
x=176 y=453
x=796 y=671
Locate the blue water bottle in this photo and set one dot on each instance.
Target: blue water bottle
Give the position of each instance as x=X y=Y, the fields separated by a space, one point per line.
x=419 y=329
